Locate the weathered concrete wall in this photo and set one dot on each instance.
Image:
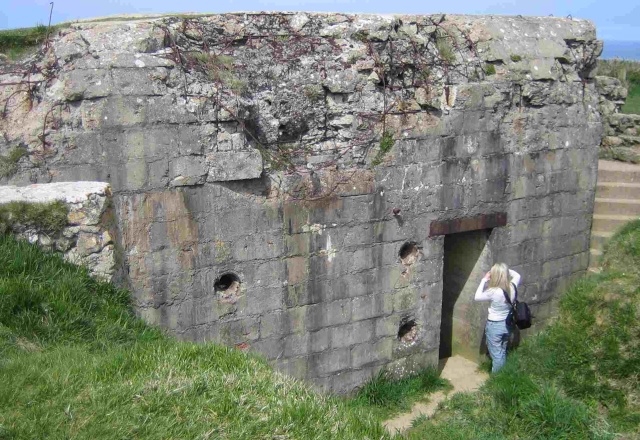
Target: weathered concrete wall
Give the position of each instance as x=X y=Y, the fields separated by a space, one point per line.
x=268 y=169
x=86 y=239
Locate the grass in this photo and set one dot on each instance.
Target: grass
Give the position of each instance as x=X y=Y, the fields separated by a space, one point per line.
x=632 y=103
x=445 y=49
x=16 y=42
x=386 y=144
x=50 y=217
x=220 y=69
x=9 y=162
x=489 y=69
x=385 y=396
x=579 y=379
x=629 y=73
x=75 y=362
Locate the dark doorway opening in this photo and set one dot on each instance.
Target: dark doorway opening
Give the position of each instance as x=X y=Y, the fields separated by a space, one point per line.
x=466 y=259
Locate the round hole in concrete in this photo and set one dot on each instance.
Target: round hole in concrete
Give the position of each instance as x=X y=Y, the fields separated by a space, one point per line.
x=408 y=331
x=227 y=284
x=409 y=253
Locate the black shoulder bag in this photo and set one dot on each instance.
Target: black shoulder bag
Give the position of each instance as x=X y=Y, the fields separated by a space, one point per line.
x=520 y=315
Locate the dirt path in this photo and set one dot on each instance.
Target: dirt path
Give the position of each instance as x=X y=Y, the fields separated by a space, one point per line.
x=463 y=375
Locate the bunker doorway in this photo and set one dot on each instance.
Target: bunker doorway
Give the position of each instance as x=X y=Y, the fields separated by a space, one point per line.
x=467 y=257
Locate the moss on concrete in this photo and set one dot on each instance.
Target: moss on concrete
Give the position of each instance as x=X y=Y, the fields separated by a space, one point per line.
x=9 y=162
x=46 y=217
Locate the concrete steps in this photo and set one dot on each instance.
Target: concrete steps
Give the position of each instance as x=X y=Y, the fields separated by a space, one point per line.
x=618 y=206
x=617 y=203
x=609 y=223
x=618 y=172
x=612 y=190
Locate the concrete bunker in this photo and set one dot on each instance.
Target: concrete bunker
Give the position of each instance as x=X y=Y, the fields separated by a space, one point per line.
x=317 y=272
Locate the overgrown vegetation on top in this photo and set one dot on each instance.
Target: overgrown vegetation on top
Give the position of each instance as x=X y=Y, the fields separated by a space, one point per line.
x=629 y=73
x=579 y=379
x=15 y=42
x=76 y=363
x=49 y=217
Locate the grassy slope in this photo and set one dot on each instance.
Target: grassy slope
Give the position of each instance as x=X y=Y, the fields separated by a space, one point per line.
x=75 y=363
x=16 y=42
x=580 y=379
x=632 y=104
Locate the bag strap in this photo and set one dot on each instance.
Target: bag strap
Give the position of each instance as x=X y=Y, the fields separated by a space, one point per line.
x=515 y=297
x=506 y=297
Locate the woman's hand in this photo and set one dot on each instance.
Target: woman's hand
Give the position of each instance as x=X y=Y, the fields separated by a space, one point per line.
x=487 y=276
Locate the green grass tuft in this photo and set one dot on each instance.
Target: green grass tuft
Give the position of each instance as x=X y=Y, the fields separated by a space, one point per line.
x=50 y=217
x=313 y=92
x=220 y=69
x=445 y=49
x=386 y=144
x=386 y=396
x=9 y=162
x=622 y=252
x=489 y=69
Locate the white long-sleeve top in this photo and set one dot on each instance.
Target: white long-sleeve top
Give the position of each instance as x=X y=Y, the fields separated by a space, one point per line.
x=499 y=308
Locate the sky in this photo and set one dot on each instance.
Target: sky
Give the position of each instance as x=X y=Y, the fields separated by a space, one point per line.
x=615 y=20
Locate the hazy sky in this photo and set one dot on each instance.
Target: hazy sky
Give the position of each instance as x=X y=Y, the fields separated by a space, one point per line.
x=615 y=19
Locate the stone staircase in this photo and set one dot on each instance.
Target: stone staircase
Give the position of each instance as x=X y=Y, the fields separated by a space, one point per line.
x=617 y=202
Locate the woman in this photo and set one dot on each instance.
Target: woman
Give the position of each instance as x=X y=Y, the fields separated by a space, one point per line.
x=500 y=279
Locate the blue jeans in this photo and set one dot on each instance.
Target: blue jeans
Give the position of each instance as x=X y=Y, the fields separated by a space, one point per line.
x=497 y=335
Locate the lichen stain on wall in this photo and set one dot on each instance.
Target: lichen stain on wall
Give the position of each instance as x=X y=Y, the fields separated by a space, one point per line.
x=159 y=222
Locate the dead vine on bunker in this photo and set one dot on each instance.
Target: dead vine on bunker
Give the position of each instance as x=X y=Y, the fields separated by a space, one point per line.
x=428 y=58
x=233 y=59
x=32 y=90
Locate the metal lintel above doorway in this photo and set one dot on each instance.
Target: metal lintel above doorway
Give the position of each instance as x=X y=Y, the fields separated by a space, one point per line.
x=453 y=226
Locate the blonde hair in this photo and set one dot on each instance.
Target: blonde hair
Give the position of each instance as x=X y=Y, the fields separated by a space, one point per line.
x=500 y=277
